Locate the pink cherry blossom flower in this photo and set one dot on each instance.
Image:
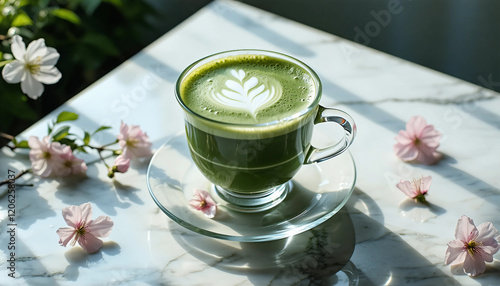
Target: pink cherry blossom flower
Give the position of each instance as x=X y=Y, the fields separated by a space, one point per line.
x=83 y=229
x=33 y=66
x=134 y=142
x=202 y=201
x=418 y=142
x=45 y=156
x=472 y=246
x=70 y=163
x=121 y=166
x=417 y=189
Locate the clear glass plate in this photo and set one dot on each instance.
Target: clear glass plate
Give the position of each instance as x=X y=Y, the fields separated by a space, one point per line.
x=319 y=191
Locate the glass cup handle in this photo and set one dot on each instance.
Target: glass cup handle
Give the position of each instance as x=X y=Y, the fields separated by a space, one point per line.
x=315 y=155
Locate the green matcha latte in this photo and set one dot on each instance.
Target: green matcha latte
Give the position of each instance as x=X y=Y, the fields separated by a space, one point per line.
x=249 y=119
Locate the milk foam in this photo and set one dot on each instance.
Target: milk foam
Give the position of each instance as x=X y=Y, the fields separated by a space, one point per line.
x=248 y=89
x=248 y=94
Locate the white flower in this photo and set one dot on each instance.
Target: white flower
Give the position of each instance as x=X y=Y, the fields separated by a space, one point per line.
x=32 y=66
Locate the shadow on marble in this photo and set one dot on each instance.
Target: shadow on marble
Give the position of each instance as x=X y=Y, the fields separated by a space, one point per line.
x=92 y=189
x=420 y=212
x=78 y=258
x=156 y=67
x=383 y=118
x=462 y=178
x=31 y=206
x=382 y=256
x=228 y=12
x=377 y=114
x=485 y=115
x=312 y=257
x=127 y=192
x=30 y=268
x=491 y=273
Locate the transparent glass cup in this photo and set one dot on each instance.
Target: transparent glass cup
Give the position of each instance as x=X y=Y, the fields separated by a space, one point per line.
x=251 y=165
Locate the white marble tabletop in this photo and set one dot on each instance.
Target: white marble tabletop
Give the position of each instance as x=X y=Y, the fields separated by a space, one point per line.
x=380 y=237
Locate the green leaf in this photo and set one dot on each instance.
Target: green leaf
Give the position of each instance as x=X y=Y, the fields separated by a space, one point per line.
x=81 y=149
x=61 y=133
x=22 y=144
x=86 y=138
x=5 y=62
x=24 y=3
x=21 y=19
x=67 y=15
x=90 y=5
x=69 y=142
x=66 y=116
x=117 y=3
x=101 y=129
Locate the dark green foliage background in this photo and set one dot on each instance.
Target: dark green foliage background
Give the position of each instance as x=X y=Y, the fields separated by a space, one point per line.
x=91 y=36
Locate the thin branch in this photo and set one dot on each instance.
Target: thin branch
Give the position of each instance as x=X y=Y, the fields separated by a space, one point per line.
x=17 y=177
x=7 y=136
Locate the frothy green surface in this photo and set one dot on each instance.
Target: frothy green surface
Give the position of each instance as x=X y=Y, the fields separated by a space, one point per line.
x=248 y=89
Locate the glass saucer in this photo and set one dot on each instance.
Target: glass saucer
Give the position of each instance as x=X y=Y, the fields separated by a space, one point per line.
x=318 y=192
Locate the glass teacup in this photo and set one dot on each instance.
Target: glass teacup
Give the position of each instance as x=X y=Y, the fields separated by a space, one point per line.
x=249 y=119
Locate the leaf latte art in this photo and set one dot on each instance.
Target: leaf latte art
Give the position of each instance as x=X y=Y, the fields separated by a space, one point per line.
x=247 y=94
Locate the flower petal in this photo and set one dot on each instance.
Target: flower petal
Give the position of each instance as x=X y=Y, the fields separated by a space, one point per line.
x=465 y=226
x=90 y=243
x=122 y=163
x=14 y=72
x=31 y=87
x=210 y=211
x=50 y=58
x=41 y=168
x=133 y=141
x=487 y=230
x=48 y=75
x=66 y=234
x=72 y=215
x=415 y=126
x=86 y=211
x=454 y=252
x=404 y=138
x=407 y=188
x=18 y=48
x=101 y=226
x=426 y=155
x=209 y=200
x=474 y=265
x=34 y=143
x=485 y=253
x=425 y=184
x=430 y=136
x=62 y=171
x=123 y=132
x=195 y=203
x=36 y=49
x=406 y=152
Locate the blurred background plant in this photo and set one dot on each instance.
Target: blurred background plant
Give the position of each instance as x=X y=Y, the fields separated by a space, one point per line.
x=91 y=36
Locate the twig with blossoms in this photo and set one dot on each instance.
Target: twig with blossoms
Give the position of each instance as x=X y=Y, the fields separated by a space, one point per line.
x=54 y=155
